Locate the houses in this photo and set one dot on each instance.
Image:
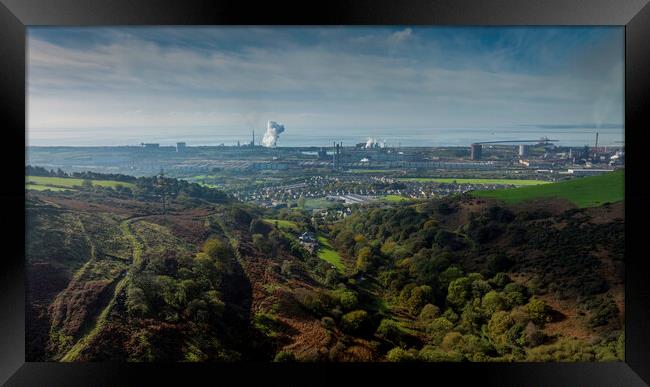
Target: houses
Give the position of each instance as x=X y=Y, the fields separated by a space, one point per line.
x=308 y=241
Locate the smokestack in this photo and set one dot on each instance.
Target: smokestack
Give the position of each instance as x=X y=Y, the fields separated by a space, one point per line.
x=596 y=140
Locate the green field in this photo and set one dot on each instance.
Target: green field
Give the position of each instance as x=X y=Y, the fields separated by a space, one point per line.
x=69 y=182
x=283 y=224
x=37 y=187
x=473 y=181
x=588 y=191
x=395 y=198
x=327 y=253
x=311 y=204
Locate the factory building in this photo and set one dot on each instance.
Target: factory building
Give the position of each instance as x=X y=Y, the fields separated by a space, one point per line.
x=180 y=147
x=476 y=151
x=270 y=166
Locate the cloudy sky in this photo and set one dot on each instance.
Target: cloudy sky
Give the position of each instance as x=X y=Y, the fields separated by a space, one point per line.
x=110 y=86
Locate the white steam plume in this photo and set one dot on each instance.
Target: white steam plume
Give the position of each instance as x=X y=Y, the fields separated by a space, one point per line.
x=273 y=130
x=373 y=143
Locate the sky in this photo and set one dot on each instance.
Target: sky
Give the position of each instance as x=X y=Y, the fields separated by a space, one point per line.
x=433 y=85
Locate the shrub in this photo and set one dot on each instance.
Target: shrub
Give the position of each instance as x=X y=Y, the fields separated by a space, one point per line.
x=401 y=355
x=429 y=313
x=459 y=291
x=493 y=301
x=605 y=311
x=355 y=322
x=433 y=354
x=284 y=357
x=419 y=297
x=390 y=331
x=347 y=299
x=438 y=328
x=538 y=311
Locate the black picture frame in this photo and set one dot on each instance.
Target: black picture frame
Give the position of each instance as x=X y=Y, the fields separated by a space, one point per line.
x=16 y=15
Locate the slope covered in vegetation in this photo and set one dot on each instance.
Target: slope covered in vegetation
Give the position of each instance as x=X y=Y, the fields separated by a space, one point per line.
x=588 y=191
x=112 y=276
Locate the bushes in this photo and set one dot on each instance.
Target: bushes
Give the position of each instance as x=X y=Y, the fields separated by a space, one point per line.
x=390 y=331
x=355 y=322
x=314 y=302
x=346 y=298
x=538 y=311
x=433 y=354
x=601 y=311
x=459 y=291
x=428 y=313
x=438 y=328
x=398 y=354
x=284 y=357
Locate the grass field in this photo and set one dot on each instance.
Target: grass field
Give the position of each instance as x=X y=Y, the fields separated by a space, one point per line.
x=327 y=253
x=395 y=198
x=69 y=182
x=311 y=204
x=37 y=187
x=588 y=191
x=521 y=182
x=283 y=224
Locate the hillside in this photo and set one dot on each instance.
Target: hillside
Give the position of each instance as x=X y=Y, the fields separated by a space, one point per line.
x=111 y=277
x=584 y=192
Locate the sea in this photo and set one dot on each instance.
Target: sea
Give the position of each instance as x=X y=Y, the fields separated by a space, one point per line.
x=405 y=137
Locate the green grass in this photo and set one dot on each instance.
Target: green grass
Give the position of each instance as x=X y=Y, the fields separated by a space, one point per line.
x=327 y=253
x=70 y=182
x=283 y=224
x=522 y=182
x=37 y=187
x=584 y=192
x=395 y=198
x=311 y=204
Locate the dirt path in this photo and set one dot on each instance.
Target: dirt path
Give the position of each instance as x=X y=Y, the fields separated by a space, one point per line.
x=118 y=285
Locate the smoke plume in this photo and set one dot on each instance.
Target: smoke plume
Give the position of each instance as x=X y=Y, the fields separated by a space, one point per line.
x=273 y=130
x=373 y=143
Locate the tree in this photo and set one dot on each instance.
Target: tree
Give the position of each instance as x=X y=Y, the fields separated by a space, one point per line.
x=429 y=313
x=538 y=311
x=493 y=301
x=459 y=291
x=355 y=322
x=497 y=329
x=86 y=184
x=390 y=331
x=348 y=299
x=364 y=259
x=419 y=297
x=398 y=354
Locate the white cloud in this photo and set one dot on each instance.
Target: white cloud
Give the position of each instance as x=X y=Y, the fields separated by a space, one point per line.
x=136 y=83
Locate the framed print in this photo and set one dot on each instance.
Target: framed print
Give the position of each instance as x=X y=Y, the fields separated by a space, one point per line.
x=361 y=192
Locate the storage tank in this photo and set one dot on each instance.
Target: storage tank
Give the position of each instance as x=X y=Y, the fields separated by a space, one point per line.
x=475 y=151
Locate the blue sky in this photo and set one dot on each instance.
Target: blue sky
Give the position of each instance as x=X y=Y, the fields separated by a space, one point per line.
x=110 y=86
